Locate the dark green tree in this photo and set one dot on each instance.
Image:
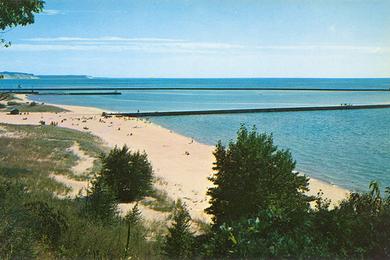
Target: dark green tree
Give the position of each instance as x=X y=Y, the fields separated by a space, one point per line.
x=17 y=12
x=251 y=174
x=128 y=174
x=179 y=242
x=133 y=218
x=100 y=201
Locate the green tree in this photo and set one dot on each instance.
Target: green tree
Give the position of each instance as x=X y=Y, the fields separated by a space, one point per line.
x=101 y=202
x=252 y=175
x=128 y=174
x=18 y=12
x=179 y=241
x=132 y=218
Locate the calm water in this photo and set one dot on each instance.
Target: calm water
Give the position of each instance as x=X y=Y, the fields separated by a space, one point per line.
x=348 y=148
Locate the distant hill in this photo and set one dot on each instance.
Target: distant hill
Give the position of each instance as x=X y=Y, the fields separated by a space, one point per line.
x=17 y=75
x=22 y=75
x=64 y=76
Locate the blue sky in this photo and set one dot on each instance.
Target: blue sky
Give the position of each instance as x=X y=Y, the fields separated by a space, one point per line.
x=205 y=38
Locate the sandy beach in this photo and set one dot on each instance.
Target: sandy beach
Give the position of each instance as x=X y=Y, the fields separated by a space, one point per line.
x=181 y=165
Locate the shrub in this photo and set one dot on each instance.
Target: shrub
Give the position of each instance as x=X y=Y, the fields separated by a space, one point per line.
x=128 y=174
x=358 y=228
x=180 y=241
x=17 y=240
x=100 y=201
x=251 y=175
x=47 y=223
x=12 y=103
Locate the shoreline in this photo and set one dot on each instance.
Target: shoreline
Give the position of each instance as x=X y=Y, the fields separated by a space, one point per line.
x=181 y=164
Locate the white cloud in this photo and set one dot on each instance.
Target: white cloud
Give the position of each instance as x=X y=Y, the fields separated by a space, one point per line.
x=50 y=12
x=99 y=39
x=169 y=45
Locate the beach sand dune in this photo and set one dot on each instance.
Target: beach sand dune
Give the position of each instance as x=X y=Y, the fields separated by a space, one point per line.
x=181 y=164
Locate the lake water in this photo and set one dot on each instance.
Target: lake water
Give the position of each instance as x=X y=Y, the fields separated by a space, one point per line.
x=348 y=148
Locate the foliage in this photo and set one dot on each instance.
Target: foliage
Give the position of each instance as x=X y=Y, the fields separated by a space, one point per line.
x=17 y=241
x=133 y=218
x=18 y=12
x=100 y=201
x=159 y=200
x=252 y=175
x=358 y=228
x=128 y=174
x=180 y=241
x=12 y=103
x=47 y=223
x=36 y=108
x=34 y=223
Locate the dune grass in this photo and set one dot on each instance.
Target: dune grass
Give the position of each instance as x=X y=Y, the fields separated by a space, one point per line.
x=9 y=101
x=28 y=156
x=33 y=153
x=35 y=108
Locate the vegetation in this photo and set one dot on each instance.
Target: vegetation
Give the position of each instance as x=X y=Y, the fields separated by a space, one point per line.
x=35 y=222
x=252 y=175
x=100 y=201
x=6 y=96
x=159 y=200
x=179 y=242
x=24 y=108
x=128 y=174
x=13 y=102
x=18 y=12
x=277 y=222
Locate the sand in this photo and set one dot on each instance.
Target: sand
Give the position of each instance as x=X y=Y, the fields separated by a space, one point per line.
x=84 y=162
x=181 y=165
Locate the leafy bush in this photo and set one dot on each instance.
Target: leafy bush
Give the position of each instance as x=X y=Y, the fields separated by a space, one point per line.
x=128 y=174
x=251 y=175
x=358 y=228
x=260 y=210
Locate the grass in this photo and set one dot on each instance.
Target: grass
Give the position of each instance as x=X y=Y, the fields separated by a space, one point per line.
x=28 y=155
x=36 y=108
x=7 y=96
x=159 y=202
x=10 y=101
x=34 y=152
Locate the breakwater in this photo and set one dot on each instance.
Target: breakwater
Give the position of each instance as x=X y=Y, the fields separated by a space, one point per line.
x=250 y=110
x=61 y=93
x=79 y=93
x=195 y=88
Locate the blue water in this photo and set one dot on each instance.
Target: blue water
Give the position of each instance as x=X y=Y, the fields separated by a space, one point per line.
x=348 y=148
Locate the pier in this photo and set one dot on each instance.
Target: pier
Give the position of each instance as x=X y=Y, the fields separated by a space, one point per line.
x=61 y=93
x=249 y=110
x=195 y=89
x=78 y=93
